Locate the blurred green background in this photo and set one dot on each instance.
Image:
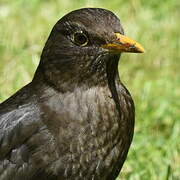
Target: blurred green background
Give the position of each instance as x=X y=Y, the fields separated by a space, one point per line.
x=153 y=78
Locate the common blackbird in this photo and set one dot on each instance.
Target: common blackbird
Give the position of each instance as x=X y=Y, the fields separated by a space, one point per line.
x=75 y=120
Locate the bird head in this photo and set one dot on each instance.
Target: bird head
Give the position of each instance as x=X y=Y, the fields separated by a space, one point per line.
x=82 y=47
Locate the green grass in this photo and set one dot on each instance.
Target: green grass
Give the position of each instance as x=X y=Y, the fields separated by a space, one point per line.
x=153 y=78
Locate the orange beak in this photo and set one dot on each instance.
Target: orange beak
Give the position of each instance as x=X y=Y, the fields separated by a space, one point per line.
x=123 y=44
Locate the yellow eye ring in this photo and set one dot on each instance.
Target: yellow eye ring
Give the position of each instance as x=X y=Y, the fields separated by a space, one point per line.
x=80 y=38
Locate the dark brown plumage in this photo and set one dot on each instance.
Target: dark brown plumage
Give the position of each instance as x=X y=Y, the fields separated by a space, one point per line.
x=75 y=120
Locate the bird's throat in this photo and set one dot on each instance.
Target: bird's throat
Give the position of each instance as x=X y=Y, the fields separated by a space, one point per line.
x=101 y=73
x=113 y=78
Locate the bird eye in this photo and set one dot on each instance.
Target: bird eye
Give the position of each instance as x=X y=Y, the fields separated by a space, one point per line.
x=80 y=38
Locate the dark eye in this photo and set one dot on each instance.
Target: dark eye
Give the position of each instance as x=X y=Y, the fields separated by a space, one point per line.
x=80 y=38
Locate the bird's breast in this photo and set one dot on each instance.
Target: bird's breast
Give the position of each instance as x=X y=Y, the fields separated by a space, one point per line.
x=87 y=130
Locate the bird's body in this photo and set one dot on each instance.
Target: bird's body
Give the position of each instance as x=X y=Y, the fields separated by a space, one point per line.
x=75 y=120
